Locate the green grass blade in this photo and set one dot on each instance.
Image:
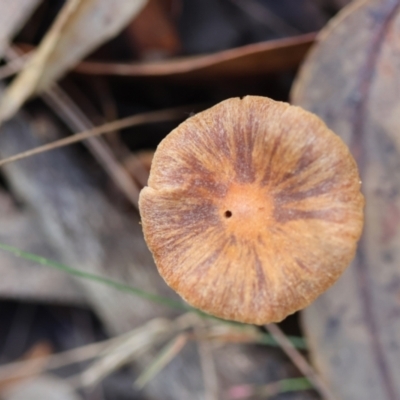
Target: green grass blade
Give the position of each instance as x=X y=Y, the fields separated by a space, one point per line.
x=270 y=390
x=295 y=385
x=96 y=278
x=298 y=342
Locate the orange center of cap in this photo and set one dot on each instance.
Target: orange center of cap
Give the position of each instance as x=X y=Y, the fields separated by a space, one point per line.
x=247 y=210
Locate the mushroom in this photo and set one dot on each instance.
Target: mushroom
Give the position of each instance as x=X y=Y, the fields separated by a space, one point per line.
x=253 y=209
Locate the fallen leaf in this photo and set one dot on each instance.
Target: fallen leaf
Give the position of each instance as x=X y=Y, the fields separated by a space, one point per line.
x=80 y=27
x=352 y=81
x=39 y=353
x=150 y=43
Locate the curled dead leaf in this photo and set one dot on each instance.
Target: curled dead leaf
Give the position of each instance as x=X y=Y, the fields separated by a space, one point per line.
x=351 y=80
x=79 y=28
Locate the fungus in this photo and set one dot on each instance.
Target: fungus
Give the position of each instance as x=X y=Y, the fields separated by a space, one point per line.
x=252 y=210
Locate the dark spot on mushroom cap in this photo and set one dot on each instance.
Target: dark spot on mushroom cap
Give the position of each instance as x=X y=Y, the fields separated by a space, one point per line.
x=228 y=214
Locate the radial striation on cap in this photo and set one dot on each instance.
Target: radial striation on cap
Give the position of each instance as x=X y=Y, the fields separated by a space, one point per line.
x=252 y=210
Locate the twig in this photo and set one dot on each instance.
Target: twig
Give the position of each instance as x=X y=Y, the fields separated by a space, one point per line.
x=15 y=65
x=137 y=343
x=130 y=346
x=301 y=363
x=135 y=120
x=23 y=368
x=63 y=105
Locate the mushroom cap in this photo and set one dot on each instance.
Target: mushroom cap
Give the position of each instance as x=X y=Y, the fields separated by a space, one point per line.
x=252 y=210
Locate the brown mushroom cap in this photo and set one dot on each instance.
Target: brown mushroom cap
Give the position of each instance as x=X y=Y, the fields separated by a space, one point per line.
x=253 y=209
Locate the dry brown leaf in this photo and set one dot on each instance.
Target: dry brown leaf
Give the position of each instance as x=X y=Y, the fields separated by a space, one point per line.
x=13 y=15
x=352 y=81
x=39 y=352
x=253 y=59
x=81 y=26
x=153 y=34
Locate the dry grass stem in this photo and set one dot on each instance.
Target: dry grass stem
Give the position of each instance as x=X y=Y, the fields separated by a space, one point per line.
x=301 y=363
x=23 y=368
x=113 y=353
x=166 y=355
x=170 y=114
x=139 y=341
x=15 y=65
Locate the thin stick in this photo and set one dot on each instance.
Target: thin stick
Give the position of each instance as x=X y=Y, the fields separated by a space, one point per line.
x=140 y=340
x=300 y=362
x=65 y=107
x=19 y=369
x=22 y=369
x=170 y=114
x=15 y=65
x=25 y=368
